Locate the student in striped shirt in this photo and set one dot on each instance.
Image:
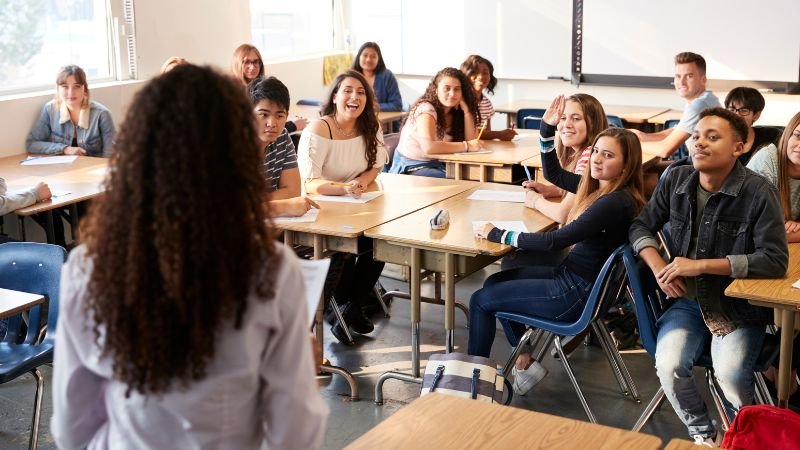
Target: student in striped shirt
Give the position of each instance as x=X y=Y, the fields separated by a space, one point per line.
x=480 y=72
x=270 y=100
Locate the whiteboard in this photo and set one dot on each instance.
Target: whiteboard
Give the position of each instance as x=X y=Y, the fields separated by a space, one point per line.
x=740 y=39
x=524 y=39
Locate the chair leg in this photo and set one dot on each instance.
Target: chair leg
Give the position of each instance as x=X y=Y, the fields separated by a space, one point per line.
x=716 y=395
x=574 y=381
x=379 y=293
x=37 y=409
x=611 y=359
x=649 y=410
x=762 y=393
x=619 y=362
x=512 y=359
x=548 y=339
x=340 y=318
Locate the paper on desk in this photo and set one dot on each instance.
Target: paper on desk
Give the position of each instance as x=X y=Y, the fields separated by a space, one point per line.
x=314 y=274
x=479 y=152
x=43 y=160
x=508 y=225
x=53 y=192
x=796 y=284
x=498 y=196
x=309 y=216
x=365 y=197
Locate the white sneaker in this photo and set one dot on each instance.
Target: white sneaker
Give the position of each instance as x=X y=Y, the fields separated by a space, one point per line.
x=524 y=380
x=705 y=441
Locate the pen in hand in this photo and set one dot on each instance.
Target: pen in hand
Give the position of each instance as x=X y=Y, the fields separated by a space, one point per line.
x=527 y=172
x=485 y=122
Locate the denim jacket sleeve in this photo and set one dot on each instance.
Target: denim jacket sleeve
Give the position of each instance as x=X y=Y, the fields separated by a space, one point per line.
x=771 y=256
x=40 y=138
x=106 y=125
x=653 y=216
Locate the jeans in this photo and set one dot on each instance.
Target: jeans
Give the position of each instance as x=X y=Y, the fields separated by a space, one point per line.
x=542 y=291
x=682 y=339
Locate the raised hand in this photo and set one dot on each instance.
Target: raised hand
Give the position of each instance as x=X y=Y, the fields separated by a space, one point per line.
x=553 y=113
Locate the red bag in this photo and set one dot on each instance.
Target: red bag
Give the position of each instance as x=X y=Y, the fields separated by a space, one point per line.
x=764 y=427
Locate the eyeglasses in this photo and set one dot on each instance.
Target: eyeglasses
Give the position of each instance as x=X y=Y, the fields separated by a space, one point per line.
x=251 y=62
x=740 y=111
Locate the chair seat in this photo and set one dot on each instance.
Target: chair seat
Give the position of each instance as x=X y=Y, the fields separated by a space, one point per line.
x=554 y=326
x=16 y=360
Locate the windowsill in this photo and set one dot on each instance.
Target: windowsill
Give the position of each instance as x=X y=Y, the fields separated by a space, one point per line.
x=51 y=91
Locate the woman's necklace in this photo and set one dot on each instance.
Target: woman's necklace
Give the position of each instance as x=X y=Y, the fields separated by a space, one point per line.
x=346 y=134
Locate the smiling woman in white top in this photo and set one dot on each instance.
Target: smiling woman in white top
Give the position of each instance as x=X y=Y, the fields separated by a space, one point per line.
x=341 y=153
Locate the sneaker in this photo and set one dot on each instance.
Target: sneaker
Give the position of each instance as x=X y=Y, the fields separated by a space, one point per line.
x=524 y=380
x=705 y=441
x=358 y=322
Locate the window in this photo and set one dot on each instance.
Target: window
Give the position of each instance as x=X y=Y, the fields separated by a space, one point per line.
x=40 y=36
x=283 y=29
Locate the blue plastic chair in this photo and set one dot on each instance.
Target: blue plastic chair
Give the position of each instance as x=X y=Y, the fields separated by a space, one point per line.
x=614 y=121
x=530 y=118
x=308 y=102
x=35 y=268
x=609 y=284
x=682 y=151
x=650 y=303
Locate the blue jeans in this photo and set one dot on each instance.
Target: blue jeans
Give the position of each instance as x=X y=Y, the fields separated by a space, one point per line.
x=682 y=339
x=542 y=291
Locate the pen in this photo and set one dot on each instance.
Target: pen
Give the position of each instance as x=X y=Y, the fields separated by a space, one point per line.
x=485 y=122
x=313 y=203
x=527 y=173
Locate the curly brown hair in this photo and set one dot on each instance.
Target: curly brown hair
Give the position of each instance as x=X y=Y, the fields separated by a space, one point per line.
x=457 y=127
x=367 y=123
x=179 y=240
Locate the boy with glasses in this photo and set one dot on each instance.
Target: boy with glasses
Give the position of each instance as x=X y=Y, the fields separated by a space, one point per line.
x=748 y=103
x=726 y=222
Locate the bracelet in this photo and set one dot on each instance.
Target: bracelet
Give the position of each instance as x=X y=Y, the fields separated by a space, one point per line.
x=466 y=146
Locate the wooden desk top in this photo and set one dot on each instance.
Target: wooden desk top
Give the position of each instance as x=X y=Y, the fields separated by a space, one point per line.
x=14 y=302
x=414 y=229
x=775 y=291
x=311 y=112
x=524 y=146
x=82 y=179
x=670 y=114
x=637 y=114
x=680 y=444
x=402 y=194
x=438 y=421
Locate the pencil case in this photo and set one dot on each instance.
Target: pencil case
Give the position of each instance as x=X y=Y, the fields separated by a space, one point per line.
x=440 y=220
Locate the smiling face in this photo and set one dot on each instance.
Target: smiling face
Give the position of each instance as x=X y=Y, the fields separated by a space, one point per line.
x=607 y=161
x=480 y=78
x=689 y=82
x=270 y=120
x=448 y=90
x=716 y=145
x=350 y=99
x=793 y=147
x=368 y=59
x=744 y=112
x=72 y=92
x=572 y=126
x=251 y=66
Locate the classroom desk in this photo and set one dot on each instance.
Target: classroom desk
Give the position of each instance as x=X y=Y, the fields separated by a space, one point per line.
x=438 y=421
x=535 y=163
x=82 y=179
x=628 y=113
x=495 y=166
x=670 y=114
x=680 y=444
x=312 y=112
x=339 y=225
x=778 y=294
x=14 y=302
x=454 y=251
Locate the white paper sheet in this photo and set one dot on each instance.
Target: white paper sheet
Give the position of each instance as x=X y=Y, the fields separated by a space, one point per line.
x=309 y=216
x=796 y=284
x=44 y=160
x=510 y=225
x=53 y=192
x=479 y=152
x=314 y=273
x=365 y=197
x=498 y=196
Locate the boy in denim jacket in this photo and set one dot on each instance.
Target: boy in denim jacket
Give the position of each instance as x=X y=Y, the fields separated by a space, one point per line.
x=725 y=222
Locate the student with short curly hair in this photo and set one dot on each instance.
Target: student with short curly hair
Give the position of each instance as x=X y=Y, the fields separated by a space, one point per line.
x=183 y=323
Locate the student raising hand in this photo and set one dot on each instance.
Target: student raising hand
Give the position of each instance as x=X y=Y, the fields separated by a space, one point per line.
x=554 y=112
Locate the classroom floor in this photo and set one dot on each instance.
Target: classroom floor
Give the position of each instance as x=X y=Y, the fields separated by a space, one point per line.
x=388 y=348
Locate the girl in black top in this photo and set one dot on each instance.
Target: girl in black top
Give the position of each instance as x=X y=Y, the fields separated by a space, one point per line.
x=609 y=196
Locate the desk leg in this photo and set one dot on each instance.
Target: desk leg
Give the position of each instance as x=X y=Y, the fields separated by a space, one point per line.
x=449 y=300
x=414 y=285
x=51 y=234
x=785 y=369
x=457 y=170
x=22 y=228
x=74 y=220
x=326 y=367
x=482 y=176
